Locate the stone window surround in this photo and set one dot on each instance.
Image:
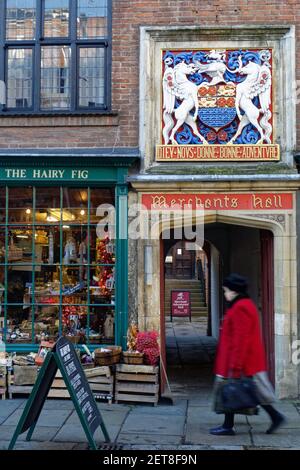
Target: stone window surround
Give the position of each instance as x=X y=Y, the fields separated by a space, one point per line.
x=279 y=37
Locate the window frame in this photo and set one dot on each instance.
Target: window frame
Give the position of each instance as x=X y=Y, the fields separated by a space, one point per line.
x=74 y=43
x=33 y=225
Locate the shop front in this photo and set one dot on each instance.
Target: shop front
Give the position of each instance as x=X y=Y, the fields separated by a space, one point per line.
x=248 y=231
x=63 y=252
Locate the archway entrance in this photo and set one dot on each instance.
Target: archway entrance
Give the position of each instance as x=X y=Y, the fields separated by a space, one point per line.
x=191 y=345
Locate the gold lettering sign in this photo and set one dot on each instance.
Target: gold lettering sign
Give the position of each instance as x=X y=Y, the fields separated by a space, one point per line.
x=264 y=152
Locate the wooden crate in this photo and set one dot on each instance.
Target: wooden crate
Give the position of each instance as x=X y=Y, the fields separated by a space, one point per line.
x=136 y=383
x=101 y=381
x=16 y=389
x=3 y=381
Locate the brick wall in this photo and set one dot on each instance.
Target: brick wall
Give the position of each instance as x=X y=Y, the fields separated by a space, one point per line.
x=127 y=17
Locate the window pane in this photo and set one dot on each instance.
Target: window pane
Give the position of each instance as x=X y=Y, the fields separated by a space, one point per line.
x=47 y=205
x=56 y=18
x=19 y=329
x=74 y=322
x=75 y=205
x=20 y=19
x=19 y=78
x=2 y=260
x=2 y=204
x=102 y=328
x=91 y=77
x=55 y=77
x=20 y=246
x=20 y=205
x=47 y=284
x=100 y=200
x=92 y=18
x=47 y=244
x=46 y=323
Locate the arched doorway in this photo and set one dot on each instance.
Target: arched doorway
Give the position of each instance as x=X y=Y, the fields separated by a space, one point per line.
x=228 y=248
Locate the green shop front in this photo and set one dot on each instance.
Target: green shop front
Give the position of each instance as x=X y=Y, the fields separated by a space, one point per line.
x=63 y=250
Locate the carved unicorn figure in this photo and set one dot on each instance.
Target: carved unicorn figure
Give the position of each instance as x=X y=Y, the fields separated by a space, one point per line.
x=257 y=83
x=216 y=67
x=177 y=85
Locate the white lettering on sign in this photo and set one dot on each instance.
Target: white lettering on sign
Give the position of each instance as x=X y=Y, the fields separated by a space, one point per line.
x=65 y=350
x=48 y=174
x=15 y=173
x=71 y=368
x=80 y=174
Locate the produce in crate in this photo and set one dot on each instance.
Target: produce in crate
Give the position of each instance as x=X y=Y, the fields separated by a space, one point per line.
x=132 y=333
x=148 y=344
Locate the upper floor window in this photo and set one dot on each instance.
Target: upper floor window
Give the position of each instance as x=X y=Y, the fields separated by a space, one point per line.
x=56 y=55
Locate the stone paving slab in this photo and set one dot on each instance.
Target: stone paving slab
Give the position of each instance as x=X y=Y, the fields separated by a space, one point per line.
x=149 y=439
x=178 y=409
x=41 y=433
x=263 y=419
x=280 y=439
x=109 y=417
x=7 y=407
x=53 y=404
x=47 y=418
x=199 y=434
x=71 y=433
x=34 y=445
x=164 y=425
x=206 y=417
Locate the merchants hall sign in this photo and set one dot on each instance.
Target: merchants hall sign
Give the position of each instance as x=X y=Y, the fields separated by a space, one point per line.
x=218 y=201
x=217 y=105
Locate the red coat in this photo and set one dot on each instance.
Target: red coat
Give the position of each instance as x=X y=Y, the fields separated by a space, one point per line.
x=240 y=350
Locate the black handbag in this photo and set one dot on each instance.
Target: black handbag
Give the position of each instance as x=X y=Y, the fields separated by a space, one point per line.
x=239 y=394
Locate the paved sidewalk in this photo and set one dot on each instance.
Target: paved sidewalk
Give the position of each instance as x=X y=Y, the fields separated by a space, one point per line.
x=181 y=426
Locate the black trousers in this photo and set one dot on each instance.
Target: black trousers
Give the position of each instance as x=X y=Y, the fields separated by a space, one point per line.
x=272 y=412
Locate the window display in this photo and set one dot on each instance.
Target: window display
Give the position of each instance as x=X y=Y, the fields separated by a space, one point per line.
x=57 y=260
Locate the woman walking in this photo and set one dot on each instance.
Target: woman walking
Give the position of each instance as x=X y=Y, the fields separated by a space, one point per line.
x=241 y=352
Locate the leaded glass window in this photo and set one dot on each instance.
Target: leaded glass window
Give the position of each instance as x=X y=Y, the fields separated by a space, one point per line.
x=56 y=55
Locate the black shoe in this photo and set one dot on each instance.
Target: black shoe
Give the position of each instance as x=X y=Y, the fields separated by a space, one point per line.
x=279 y=421
x=220 y=431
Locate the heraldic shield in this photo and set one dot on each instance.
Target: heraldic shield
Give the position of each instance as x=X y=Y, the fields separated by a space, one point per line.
x=217 y=105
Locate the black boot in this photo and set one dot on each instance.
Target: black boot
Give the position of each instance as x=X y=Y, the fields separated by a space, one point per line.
x=277 y=418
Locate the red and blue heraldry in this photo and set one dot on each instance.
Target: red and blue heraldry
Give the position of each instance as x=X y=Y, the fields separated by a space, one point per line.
x=217 y=105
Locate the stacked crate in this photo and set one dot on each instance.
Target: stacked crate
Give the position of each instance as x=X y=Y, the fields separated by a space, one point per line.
x=21 y=380
x=137 y=383
x=3 y=377
x=101 y=381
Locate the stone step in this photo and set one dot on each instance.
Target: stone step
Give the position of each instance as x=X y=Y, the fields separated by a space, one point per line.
x=195 y=307
x=194 y=300
x=200 y=310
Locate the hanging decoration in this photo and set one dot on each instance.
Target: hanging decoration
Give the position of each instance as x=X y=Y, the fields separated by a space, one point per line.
x=105 y=274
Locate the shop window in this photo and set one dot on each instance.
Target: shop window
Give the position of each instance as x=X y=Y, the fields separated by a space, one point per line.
x=56 y=55
x=57 y=265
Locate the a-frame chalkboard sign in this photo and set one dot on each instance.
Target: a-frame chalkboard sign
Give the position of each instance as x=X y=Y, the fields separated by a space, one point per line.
x=63 y=357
